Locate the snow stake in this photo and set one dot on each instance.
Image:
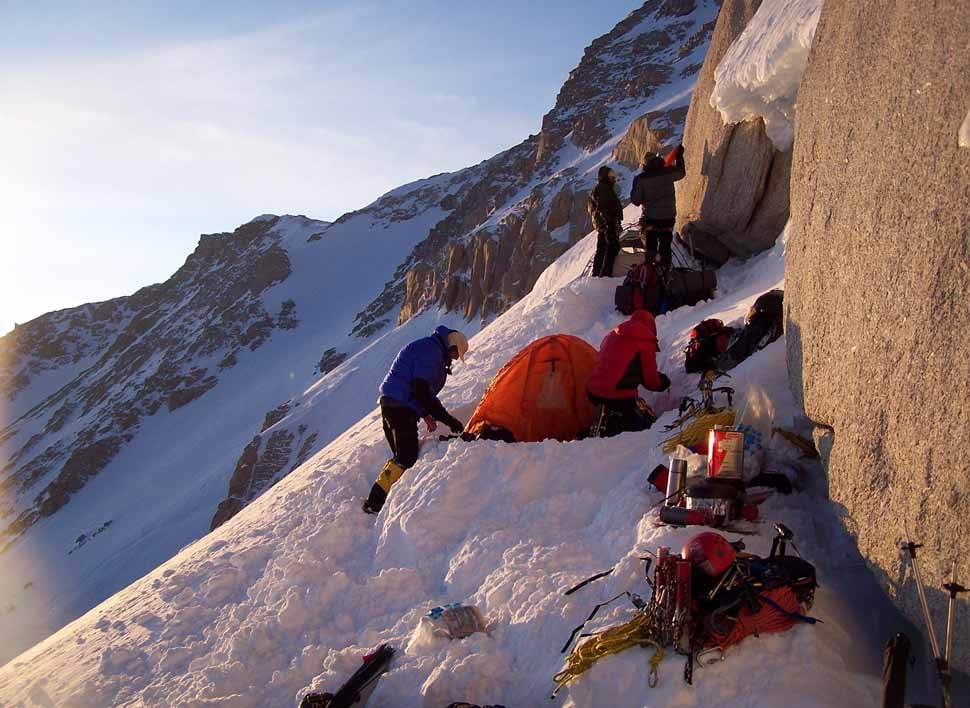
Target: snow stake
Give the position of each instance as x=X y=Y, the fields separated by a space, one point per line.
x=953 y=588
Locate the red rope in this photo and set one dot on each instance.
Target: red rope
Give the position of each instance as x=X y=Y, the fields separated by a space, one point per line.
x=766 y=620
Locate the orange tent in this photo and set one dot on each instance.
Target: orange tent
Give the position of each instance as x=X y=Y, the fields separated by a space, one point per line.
x=539 y=394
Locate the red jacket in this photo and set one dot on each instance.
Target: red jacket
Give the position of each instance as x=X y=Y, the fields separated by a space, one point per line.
x=627 y=359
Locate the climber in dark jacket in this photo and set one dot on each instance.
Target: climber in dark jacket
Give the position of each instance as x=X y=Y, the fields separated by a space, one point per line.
x=408 y=393
x=653 y=189
x=627 y=359
x=606 y=211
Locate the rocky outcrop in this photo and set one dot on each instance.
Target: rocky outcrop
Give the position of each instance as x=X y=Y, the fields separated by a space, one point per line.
x=262 y=464
x=130 y=358
x=878 y=274
x=736 y=189
x=512 y=215
x=648 y=134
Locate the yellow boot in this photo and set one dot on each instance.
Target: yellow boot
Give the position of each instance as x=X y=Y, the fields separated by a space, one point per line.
x=390 y=473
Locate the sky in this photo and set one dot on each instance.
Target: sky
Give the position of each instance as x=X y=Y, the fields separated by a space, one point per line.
x=129 y=129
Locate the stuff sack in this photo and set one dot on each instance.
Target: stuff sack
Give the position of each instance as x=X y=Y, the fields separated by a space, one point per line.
x=775 y=610
x=768 y=309
x=686 y=286
x=640 y=290
x=708 y=340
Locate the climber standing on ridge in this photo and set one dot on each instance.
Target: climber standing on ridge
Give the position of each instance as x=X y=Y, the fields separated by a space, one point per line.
x=627 y=360
x=408 y=393
x=606 y=211
x=653 y=189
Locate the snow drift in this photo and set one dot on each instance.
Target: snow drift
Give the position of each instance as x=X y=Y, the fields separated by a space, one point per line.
x=760 y=74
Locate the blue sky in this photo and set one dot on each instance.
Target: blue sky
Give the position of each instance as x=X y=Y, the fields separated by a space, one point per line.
x=127 y=129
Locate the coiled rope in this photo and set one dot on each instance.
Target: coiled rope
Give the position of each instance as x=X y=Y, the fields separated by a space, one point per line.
x=639 y=631
x=698 y=430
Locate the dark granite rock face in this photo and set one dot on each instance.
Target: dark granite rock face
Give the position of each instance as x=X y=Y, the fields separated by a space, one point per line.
x=878 y=276
x=480 y=265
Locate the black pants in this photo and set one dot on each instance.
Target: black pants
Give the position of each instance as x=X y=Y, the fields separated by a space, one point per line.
x=665 y=239
x=607 y=247
x=618 y=415
x=662 y=231
x=401 y=430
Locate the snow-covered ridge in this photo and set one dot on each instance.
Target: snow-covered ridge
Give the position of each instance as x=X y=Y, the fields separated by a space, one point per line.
x=296 y=587
x=760 y=74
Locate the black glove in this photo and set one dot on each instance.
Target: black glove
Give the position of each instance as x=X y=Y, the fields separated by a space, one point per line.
x=664 y=382
x=456 y=425
x=680 y=150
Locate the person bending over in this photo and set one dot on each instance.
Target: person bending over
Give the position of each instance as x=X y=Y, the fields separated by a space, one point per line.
x=627 y=359
x=409 y=393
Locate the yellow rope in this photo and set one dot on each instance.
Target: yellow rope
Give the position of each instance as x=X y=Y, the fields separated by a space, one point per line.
x=697 y=431
x=638 y=631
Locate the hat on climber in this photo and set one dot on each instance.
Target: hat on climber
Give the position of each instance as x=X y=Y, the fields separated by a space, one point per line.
x=458 y=340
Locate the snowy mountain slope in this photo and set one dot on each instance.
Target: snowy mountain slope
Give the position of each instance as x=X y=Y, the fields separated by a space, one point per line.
x=511 y=216
x=298 y=585
x=126 y=418
x=159 y=489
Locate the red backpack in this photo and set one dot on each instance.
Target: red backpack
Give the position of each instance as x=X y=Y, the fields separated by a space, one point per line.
x=707 y=340
x=640 y=290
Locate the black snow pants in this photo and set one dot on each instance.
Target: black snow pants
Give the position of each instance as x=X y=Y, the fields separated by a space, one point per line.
x=607 y=248
x=401 y=430
x=618 y=415
x=658 y=232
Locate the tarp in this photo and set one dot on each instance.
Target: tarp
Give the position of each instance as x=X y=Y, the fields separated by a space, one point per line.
x=540 y=393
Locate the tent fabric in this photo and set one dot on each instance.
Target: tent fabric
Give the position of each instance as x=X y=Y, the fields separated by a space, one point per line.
x=541 y=392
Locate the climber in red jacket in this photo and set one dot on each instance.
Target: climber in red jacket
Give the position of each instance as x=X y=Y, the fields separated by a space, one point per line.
x=627 y=360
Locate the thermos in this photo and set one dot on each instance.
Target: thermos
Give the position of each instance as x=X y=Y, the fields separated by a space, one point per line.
x=676 y=481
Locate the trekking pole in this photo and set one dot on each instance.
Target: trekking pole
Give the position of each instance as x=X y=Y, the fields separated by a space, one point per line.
x=953 y=588
x=940 y=659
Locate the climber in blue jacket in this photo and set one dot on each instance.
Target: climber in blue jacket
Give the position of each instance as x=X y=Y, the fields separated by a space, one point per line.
x=408 y=393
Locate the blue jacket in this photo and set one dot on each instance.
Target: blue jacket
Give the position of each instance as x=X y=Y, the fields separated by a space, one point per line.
x=426 y=358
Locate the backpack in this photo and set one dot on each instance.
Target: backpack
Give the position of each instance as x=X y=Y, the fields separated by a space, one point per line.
x=768 y=309
x=763 y=325
x=708 y=340
x=640 y=290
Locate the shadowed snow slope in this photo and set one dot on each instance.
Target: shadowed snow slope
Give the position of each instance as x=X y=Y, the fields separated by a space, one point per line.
x=293 y=590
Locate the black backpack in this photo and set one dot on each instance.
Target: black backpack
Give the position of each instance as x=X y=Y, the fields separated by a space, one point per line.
x=768 y=310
